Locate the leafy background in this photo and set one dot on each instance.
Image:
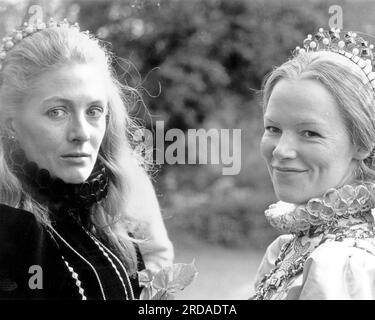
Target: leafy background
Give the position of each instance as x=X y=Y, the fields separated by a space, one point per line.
x=200 y=64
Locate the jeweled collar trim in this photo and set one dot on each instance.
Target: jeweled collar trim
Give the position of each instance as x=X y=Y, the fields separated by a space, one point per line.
x=336 y=204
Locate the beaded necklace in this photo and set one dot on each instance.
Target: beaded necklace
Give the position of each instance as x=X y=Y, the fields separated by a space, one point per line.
x=278 y=276
x=78 y=284
x=333 y=217
x=108 y=254
x=74 y=200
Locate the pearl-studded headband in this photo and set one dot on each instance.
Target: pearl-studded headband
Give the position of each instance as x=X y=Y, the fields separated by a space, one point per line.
x=28 y=29
x=348 y=44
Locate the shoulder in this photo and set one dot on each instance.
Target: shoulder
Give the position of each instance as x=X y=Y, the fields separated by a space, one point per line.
x=270 y=256
x=17 y=223
x=20 y=233
x=336 y=253
x=273 y=250
x=341 y=270
x=10 y=214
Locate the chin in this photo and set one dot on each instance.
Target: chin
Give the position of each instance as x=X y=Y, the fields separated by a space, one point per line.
x=291 y=196
x=76 y=177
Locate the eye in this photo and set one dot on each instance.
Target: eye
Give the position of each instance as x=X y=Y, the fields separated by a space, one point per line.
x=95 y=111
x=55 y=113
x=272 y=129
x=310 y=134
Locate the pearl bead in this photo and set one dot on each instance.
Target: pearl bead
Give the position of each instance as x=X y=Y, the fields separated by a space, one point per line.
x=321 y=30
x=18 y=36
x=341 y=44
x=312 y=44
x=309 y=36
x=355 y=51
x=3 y=55
x=8 y=45
x=302 y=50
x=325 y=41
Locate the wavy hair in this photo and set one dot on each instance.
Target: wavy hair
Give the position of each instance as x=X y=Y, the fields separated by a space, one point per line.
x=350 y=88
x=51 y=49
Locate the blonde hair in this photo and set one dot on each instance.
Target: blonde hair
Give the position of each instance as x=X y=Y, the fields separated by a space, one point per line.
x=346 y=83
x=51 y=49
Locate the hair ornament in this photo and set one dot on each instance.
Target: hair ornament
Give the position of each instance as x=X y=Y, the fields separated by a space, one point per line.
x=348 y=44
x=27 y=29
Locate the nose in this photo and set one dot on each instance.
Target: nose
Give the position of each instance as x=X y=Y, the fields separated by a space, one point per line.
x=286 y=148
x=79 y=129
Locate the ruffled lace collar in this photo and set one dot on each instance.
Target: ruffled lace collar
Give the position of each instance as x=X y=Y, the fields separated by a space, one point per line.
x=54 y=192
x=335 y=208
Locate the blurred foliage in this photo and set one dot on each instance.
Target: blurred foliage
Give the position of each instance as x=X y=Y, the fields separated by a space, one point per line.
x=206 y=55
x=200 y=64
x=209 y=58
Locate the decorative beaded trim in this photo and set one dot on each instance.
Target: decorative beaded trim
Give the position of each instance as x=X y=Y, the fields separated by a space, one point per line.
x=26 y=30
x=277 y=277
x=81 y=291
x=100 y=246
x=348 y=44
x=85 y=260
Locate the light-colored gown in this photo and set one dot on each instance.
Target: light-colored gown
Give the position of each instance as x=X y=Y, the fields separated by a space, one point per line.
x=336 y=262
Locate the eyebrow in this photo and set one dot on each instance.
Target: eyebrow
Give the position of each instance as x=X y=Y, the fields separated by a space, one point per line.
x=309 y=122
x=313 y=122
x=67 y=101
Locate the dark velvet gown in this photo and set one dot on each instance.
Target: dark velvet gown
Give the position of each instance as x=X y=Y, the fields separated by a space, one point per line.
x=29 y=250
x=68 y=259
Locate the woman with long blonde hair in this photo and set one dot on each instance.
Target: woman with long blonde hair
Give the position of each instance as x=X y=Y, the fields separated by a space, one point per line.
x=77 y=206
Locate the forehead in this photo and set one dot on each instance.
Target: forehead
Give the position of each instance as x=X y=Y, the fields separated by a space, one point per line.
x=78 y=81
x=303 y=100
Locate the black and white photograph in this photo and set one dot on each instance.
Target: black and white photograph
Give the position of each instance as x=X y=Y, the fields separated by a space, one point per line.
x=212 y=152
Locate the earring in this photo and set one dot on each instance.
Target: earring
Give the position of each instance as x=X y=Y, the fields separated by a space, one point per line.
x=11 y=137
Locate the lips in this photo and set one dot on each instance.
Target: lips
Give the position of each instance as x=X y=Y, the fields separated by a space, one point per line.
x=76 y=155
x=288 y=169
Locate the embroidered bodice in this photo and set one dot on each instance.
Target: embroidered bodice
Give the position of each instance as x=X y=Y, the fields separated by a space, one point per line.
x=342 y=216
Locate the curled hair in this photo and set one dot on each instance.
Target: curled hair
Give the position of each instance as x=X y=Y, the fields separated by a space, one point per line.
x=51 y=49
x=347 y=84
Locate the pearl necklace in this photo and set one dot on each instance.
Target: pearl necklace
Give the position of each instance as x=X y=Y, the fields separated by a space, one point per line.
x=78 y=284
x=107 y=253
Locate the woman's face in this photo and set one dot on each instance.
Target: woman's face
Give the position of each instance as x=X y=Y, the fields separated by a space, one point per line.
x=62 y=123
x=305 y=144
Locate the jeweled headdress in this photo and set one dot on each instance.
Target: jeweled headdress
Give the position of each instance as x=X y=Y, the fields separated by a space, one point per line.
x=348 y=44
x=26 y=30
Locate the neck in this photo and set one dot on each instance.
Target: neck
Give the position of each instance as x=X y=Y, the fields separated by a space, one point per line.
x=53 y=192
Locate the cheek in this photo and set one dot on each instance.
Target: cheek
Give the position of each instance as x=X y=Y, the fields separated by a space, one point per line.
x=38 y=139
x=99 y=133
x=322 y=159
x=266 y=148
